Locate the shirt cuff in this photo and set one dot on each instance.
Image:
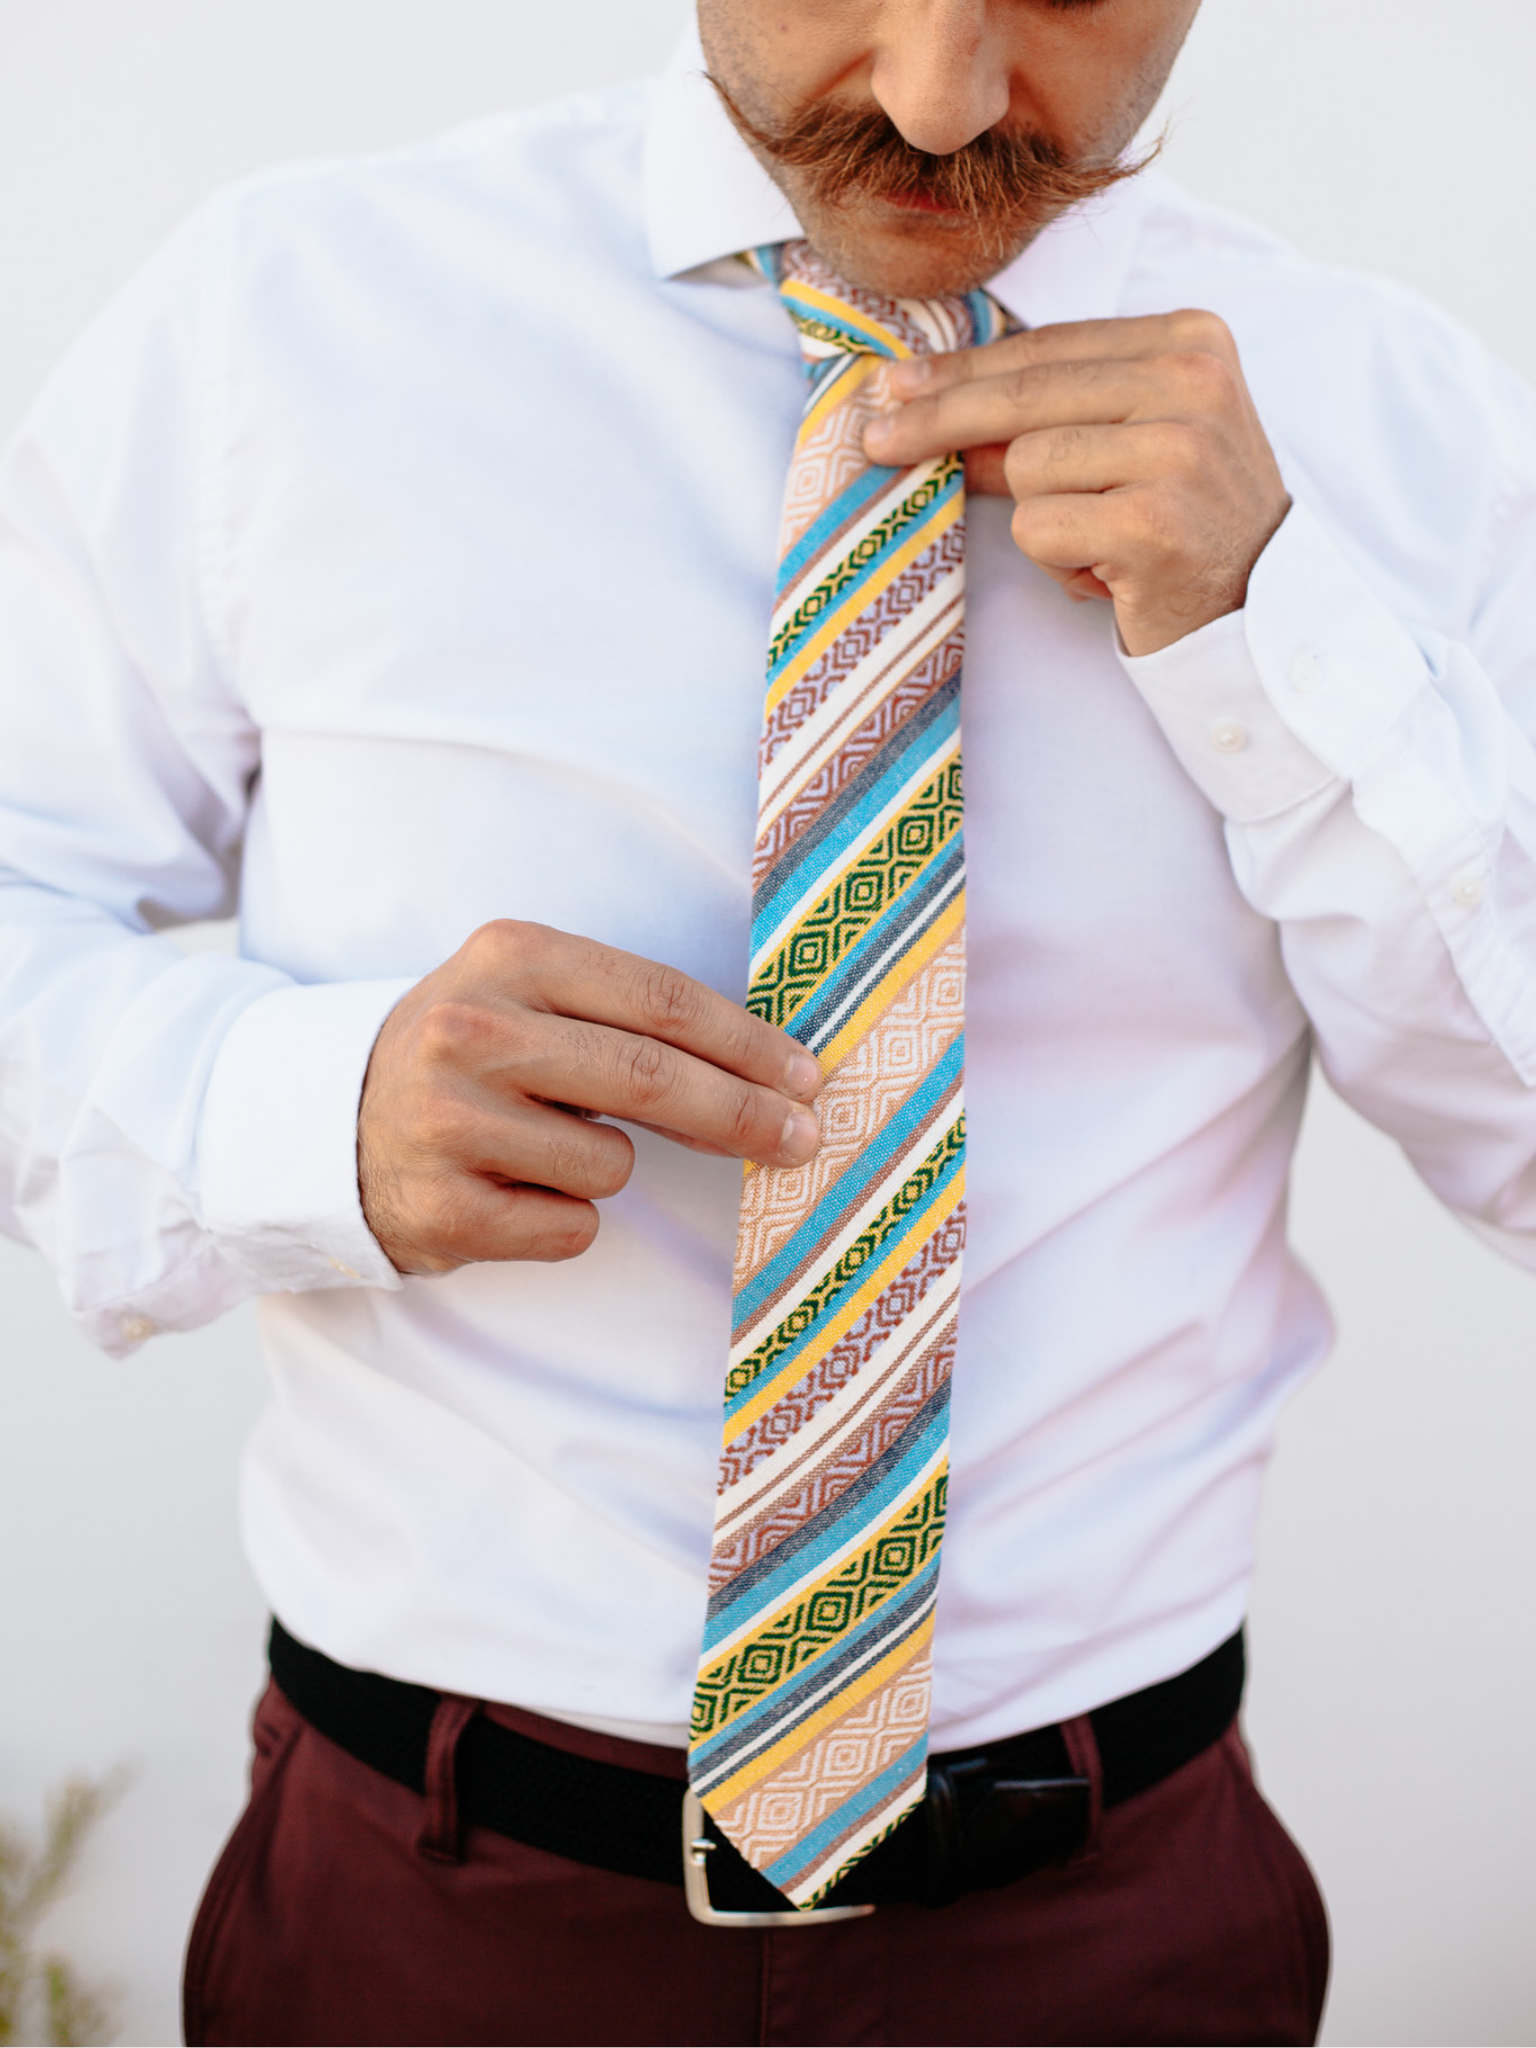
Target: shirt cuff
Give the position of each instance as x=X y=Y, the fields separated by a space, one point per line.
x=277 y=1145
x=1268 y=705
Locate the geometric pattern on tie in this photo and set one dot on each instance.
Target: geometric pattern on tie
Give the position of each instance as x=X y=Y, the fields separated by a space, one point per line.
x=810 y=1718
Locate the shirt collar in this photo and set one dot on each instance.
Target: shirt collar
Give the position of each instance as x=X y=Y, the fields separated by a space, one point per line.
x=706 y=196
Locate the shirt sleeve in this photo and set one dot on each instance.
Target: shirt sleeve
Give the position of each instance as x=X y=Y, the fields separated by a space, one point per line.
x=1377 y=779
x=176 y=1130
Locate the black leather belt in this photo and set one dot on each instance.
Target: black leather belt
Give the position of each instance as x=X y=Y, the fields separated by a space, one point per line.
x=991 y=1815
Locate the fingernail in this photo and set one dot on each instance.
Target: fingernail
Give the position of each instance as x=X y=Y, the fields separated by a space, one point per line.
x=910 y=374
x=800 y=1139
x=803 y=1074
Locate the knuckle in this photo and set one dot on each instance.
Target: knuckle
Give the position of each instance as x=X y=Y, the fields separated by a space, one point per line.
x=566 y=1165
x=1182 y=448
x=1205 y=376
x=441 y=1124
x=609 y=1173
x=646 y=1071
x=747 y=1042
x=569 y=1237
x=511 y=947
x=502 y=938
x=444 y=1210
x=452 y=1031
x=1020 y=385
x=1196 y=327
x=668 y=998
x=590 y=1160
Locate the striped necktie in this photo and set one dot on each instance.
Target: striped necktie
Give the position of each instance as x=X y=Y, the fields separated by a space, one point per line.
x=810 y=1716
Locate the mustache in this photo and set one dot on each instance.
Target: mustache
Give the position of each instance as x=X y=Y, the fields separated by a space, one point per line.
x=1001 y=181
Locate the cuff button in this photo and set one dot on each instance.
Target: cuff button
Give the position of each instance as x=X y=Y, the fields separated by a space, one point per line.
x=1229 y=736
x=1468 y=890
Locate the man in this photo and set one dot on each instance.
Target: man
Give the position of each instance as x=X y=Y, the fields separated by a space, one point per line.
x=405 y=543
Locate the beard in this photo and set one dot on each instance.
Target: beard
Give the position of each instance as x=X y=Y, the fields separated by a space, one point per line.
x=988 y=199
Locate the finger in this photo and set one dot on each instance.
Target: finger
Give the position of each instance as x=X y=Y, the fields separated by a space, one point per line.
x=645 y=1081
x=462 y=1219
x=1079 y=458
x=549 y=1147
x=976 y=415
x=580 y=978
x=1067 y=535
x=1062 y=342
x=1081 y=585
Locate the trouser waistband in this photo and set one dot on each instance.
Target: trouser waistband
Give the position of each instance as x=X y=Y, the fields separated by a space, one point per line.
x=992 y=1813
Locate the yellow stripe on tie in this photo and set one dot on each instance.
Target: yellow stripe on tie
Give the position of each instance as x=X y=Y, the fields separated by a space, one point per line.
x=840 y=314
x=929 y=528
x=831 y=1329
x=933 y=770
x=927 y=1483
x=834 y=1709
x=933 y=941
x=865 y=632
x=839 y=389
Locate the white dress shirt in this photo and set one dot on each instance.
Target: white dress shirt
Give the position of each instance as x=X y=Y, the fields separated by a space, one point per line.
x=396 y=553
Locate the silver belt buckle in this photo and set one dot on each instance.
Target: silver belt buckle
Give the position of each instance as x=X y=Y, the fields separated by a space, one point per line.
x=696 y=1852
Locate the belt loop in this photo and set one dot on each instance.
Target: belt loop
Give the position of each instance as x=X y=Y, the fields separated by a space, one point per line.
x=1083 y=1755
x=438 y=1836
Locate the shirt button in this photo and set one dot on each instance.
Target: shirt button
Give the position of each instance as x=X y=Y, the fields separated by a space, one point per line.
x=1229 y=736
x=137 y=1329
x=1468 y=890
x=1306 y=674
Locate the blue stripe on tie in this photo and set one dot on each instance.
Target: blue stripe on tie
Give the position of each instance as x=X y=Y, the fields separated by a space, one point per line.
x=952 y=488
x=848 y=1506
x=811 y=1848
x=806 y=844
x=928 y=740
x=778 y=1710
x=855 y=332
x=792 y=1351
x=765 y=1593
x=864 y=487
x=820 y=1016
x=869 y=1165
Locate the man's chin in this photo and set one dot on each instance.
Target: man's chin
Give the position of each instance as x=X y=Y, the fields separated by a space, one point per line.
x=908 y=252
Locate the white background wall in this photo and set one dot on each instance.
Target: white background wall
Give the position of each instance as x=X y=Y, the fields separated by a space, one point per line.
x=1395 y=1657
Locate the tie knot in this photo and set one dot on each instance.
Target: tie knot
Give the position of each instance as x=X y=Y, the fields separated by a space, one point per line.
x=838 y=318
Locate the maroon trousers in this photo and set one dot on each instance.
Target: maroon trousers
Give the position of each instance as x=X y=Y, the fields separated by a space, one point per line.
x=346 y=1909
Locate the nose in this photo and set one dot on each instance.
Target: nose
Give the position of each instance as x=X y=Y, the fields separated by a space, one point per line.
x=940 y=71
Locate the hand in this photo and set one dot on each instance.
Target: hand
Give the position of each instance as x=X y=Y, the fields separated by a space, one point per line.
x=474 y=1134
x=1133 y=450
